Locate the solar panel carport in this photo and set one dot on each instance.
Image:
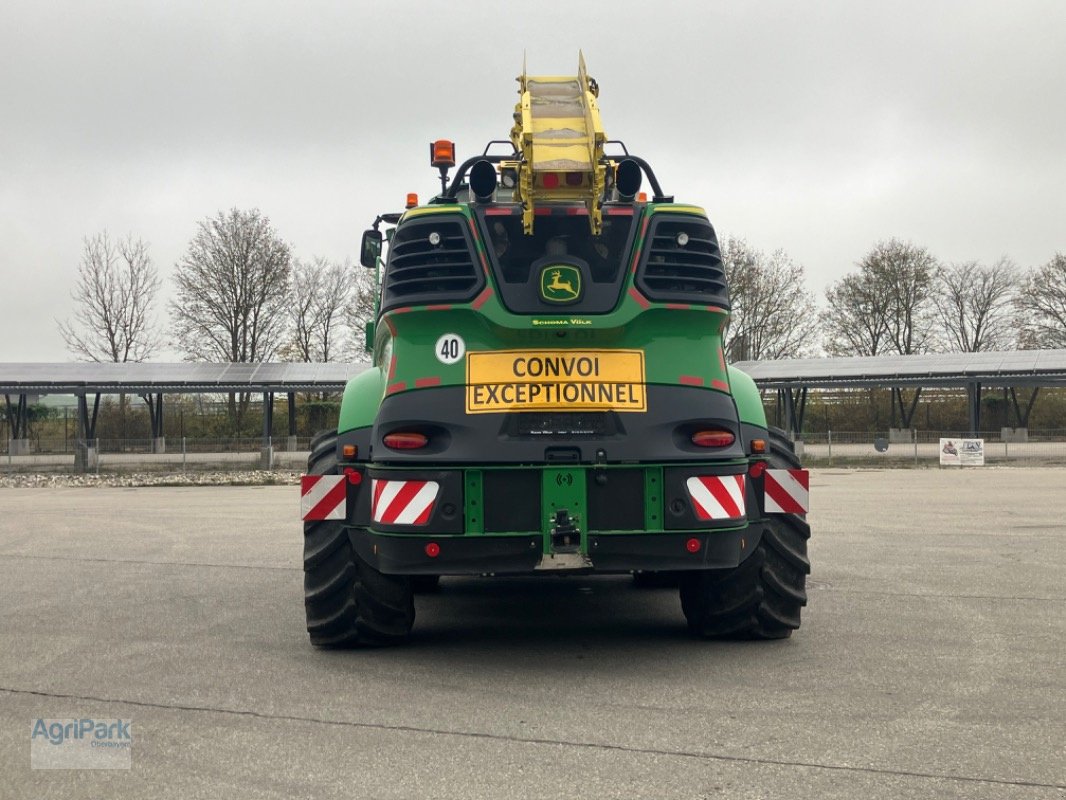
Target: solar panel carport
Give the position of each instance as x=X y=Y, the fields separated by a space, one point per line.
x=152 y=381
x=792 y=378
x=974 y=372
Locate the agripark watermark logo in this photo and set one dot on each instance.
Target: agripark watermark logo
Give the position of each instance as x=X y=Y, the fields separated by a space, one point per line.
x=81 y=744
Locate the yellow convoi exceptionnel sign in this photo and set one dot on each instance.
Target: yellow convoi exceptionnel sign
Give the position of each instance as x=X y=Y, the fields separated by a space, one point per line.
x=555 y=380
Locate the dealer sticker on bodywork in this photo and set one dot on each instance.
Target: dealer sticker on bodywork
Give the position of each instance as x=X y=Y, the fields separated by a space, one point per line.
x=555 y=380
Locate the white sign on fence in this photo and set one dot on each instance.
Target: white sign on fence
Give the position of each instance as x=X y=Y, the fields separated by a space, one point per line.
x=962 y=452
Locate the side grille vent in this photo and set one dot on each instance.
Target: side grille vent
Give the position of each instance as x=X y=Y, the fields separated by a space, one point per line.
x=431 y=262
x=682 y=263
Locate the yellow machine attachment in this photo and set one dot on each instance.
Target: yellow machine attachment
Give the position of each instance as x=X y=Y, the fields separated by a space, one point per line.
x=560 y=138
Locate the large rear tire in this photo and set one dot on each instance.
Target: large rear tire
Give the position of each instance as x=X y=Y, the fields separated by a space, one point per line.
x=348 y=602
x=761 y=598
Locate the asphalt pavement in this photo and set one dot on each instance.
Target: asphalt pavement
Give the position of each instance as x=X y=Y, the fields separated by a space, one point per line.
x=930 y=662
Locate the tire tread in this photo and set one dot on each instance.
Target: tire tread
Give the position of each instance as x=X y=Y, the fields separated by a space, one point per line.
x=761 y=598
x=348 y=603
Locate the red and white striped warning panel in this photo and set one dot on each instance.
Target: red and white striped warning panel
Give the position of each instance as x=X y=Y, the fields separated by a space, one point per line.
x=717 y=496
x=323 y=496
x=786 y=491
x=403 y=502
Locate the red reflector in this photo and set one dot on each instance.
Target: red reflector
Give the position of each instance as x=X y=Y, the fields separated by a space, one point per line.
x=432 y=549
x=551 y=180
x=757 y=469
x=405 y=441
x=355 y=477
x=712 y=438
x=693 y=545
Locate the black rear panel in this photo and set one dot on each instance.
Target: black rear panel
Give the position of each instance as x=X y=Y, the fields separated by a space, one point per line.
x=663 y=433
x=616 y=500
x=512 y=500
x=560 y=238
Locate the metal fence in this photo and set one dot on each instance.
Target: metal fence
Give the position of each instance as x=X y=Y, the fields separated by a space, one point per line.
x=148 y=455
x=922 y=448
x=834 y=448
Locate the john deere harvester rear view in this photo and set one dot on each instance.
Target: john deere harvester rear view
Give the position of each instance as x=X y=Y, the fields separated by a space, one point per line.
x=549 y=395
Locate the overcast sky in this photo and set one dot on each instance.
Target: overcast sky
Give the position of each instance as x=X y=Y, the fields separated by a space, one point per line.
x=816 y=127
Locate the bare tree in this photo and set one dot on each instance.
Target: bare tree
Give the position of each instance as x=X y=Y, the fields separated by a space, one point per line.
x=232 y=289
x=361 y=310
x=771 y=306
x=232 y=292
x=1042 y=304
x=114 y=293
x=855 y=321
x=975 y=305
x=321 y=294
x=887 y=305
x=907 y=274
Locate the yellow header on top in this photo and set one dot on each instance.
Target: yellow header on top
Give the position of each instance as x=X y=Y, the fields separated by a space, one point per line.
x=560 y=138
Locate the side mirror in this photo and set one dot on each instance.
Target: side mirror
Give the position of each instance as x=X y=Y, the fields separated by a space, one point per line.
x=370 y=251
x=369 y=342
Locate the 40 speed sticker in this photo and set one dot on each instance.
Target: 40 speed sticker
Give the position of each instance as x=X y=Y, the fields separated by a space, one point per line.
x=555 y=380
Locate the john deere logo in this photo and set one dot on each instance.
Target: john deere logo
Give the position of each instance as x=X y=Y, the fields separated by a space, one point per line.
x=560 y=284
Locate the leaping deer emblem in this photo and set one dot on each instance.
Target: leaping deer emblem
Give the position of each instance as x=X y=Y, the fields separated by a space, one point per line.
x=559 y=285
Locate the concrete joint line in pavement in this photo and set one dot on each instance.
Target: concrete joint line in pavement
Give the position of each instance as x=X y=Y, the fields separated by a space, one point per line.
x=534 y=741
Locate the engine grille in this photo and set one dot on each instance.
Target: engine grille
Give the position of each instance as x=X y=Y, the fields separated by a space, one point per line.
x=682 y=263
x=419 y=271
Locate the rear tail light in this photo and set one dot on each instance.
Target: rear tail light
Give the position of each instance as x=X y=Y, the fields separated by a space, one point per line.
x=405 y=440
x=713 y=438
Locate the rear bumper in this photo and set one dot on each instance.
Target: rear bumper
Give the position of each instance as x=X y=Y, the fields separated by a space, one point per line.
x=407 y=554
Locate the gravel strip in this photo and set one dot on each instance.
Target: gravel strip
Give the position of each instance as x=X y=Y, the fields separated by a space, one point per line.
x=221 y=478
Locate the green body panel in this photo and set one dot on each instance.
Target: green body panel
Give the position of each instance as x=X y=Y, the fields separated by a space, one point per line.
x=362 y=396
x=473 y=497
x=682 y=344
x=746 y=396
x=653 y=498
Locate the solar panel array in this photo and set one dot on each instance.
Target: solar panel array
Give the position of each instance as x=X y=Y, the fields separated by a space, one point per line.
x=1006 y=368
x=1011 y=368
x=174 y=378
